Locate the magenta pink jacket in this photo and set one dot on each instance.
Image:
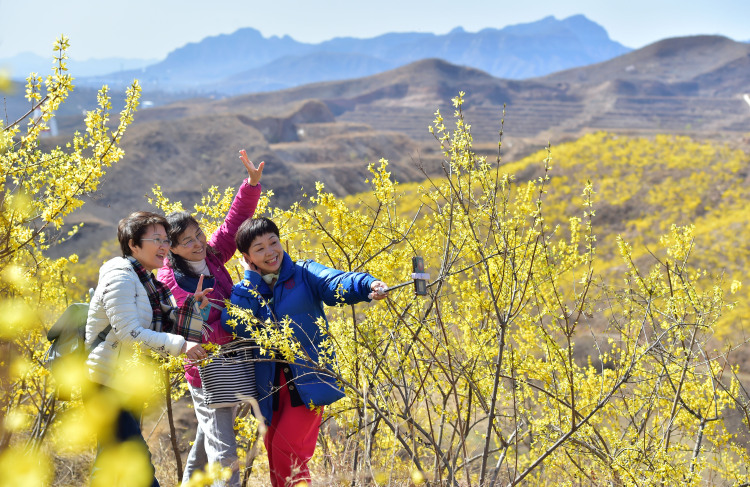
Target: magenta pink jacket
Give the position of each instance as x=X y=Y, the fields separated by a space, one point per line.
x=222 y=241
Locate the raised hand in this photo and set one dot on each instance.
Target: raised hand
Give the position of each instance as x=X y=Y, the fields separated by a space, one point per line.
x=201 y=294
x=253 y=173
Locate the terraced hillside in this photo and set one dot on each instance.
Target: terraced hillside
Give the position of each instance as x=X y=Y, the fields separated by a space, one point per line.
x=675 y=114
x=519 y=119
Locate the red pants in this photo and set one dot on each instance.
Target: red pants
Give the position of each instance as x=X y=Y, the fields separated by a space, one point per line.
x=290 y=440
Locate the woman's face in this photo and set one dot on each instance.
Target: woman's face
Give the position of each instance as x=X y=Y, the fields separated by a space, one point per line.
x=154 y=247
x=190 y=244
x=265 y=253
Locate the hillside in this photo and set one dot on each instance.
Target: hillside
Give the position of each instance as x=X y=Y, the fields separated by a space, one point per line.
x=688 y=66
x=642 y=186
x=691 y=85
x=329 y=131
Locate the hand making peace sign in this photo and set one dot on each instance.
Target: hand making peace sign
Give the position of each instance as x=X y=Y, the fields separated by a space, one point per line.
x=201 y=294
x=193 y=350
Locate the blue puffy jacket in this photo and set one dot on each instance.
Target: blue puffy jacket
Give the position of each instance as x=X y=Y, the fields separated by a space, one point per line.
x=299 y=293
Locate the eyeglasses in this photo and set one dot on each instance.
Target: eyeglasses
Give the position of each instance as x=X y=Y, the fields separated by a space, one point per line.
x=191 y=242
x=159 y=241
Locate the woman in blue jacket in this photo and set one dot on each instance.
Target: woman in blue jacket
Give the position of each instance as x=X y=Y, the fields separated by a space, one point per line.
x=276 y=288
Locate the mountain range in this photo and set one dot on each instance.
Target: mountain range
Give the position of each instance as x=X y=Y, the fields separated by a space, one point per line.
x=245 y=61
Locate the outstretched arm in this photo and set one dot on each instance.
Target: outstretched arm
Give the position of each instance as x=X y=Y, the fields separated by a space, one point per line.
x=338 y=287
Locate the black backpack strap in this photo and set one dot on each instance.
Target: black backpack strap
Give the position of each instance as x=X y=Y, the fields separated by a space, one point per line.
x=100 y=337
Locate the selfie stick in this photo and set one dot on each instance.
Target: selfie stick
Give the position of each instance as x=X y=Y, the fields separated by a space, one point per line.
x=419 y=278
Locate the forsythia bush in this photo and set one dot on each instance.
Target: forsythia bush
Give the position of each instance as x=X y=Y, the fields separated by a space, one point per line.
x=522 y=365
x=37 y=191
x=532 y=360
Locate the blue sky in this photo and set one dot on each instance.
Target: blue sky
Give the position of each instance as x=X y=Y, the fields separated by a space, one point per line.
x=150 y=29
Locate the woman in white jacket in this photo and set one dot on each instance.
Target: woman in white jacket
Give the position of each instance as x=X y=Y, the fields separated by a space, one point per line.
x=130 y=306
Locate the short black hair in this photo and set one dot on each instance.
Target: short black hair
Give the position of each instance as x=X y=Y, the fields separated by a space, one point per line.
x=133 y=226
x=253 y=228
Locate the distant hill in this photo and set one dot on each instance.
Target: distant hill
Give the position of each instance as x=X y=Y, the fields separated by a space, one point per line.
x=306 y=69
x=705 y=65
x=330 y=131
x=245 y=61
x=21 y=65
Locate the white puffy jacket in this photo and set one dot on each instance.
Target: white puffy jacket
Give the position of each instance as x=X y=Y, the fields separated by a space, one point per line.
x=121 y=300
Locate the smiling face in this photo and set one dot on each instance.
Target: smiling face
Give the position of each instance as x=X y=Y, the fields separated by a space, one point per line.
x=265 y=253
x=190 y=244
x=150 y=253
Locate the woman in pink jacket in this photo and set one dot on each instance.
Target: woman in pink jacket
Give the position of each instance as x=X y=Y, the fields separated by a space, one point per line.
x=191 y=257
